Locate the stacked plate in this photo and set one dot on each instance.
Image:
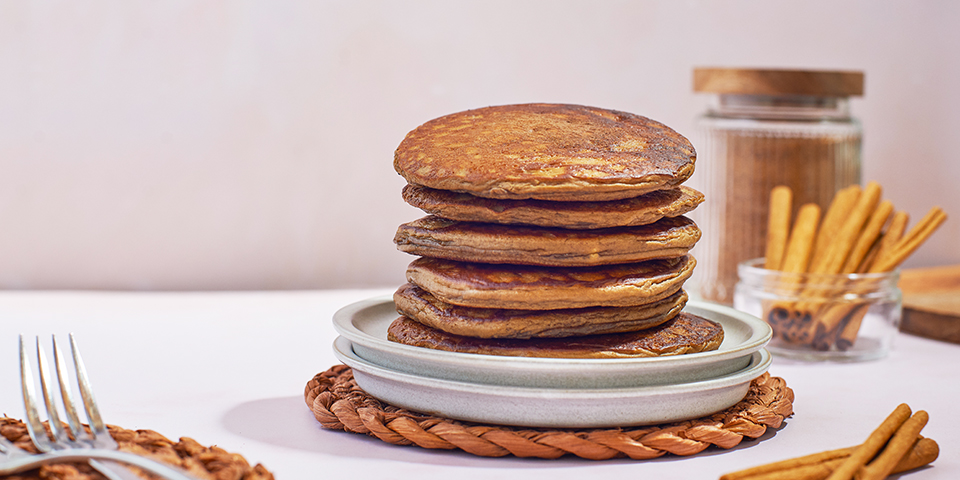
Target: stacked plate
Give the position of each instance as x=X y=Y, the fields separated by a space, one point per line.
x=552 y=392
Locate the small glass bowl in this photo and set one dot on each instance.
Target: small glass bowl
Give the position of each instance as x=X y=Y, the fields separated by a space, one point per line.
x=845 y=317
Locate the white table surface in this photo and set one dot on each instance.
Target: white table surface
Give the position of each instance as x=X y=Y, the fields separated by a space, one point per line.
x=229 y=369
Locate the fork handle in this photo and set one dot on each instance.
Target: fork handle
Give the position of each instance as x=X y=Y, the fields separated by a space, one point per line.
x=28 y=462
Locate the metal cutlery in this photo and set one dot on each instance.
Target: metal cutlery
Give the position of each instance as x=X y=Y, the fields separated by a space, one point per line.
x=73 y=443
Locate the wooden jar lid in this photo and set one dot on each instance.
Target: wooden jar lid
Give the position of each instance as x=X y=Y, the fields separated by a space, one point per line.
x=778 y=82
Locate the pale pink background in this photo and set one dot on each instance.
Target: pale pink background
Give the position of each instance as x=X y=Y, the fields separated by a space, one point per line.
x=243 y=145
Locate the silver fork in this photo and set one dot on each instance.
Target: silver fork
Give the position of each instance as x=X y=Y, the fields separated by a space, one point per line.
x=14 y=459
x=78 y=444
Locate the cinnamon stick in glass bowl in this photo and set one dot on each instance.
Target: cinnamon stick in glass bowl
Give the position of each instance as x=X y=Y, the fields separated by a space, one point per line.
x=834 y=293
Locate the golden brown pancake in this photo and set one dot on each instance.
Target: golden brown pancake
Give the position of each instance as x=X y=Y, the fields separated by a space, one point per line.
x=527 y=287
x=433 y=236
x=546 y=152
x=642 y=210
x=685 y=333
x=420 y=305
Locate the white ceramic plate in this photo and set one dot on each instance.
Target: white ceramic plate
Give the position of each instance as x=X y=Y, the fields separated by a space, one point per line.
x=365 y=324
x=552 y=407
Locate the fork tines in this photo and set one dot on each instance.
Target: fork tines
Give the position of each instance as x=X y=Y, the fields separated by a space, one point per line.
x=74 y=434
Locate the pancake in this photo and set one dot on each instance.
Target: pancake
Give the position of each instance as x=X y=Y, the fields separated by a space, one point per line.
x=433 y=236
x=642 y=210
x=546 y=152
x=418 y=304
x=685 y=333
x=529 y=287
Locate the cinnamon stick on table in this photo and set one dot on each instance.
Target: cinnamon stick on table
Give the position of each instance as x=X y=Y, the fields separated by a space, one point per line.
x=819 y=466
x=902 y=441
x=898 y=436
x=877 y=439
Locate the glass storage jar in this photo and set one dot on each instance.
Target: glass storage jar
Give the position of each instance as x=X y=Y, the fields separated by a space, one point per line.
x=841 y=317
x=765 y=128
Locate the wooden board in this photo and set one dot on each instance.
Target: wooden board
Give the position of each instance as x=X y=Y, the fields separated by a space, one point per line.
x=931 y=302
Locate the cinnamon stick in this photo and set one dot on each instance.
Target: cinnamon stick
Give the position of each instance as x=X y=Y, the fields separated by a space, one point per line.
x=836 y=254
x=896 y=448
x=890 y=237
x=840 y=324
x=790 y=464
x=849 y=239
x=783 y=318
x=923 y=452
x=893 y=256
x=911 y=241
x=870 y=257
x=819 y=466
x=882 y=247
x=778 y=226
x=868 y=236
x=827 y=327
x=872 y=445
x=838 y=211
x=801 y=239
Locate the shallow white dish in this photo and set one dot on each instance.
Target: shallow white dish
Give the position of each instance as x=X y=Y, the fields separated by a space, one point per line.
x=365 y=325
x=552 y=407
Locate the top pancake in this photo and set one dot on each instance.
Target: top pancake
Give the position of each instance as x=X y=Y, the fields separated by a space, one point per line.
x=547 y=152
x=642 y=210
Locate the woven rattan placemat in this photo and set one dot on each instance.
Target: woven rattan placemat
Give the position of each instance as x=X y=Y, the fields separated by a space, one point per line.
x=339 y=404
x=201 y=462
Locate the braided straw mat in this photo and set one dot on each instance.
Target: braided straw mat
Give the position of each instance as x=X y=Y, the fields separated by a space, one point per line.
x=339 y=404
x=210 y=463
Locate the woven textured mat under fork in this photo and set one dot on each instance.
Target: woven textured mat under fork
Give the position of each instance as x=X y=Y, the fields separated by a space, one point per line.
x=202 y=462
x=339 y=404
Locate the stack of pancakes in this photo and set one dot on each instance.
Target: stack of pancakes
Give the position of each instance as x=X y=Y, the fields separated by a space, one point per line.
x=553 y=231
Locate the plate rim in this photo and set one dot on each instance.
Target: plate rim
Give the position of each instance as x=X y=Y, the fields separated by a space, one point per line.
x=760 y=363
x=761 y=335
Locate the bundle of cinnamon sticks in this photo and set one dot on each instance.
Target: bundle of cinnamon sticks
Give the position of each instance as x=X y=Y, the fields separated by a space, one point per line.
x=859 y=233
x=895 y=446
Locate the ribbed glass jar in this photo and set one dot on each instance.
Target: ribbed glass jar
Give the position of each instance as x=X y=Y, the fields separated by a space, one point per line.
x=755 y=135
